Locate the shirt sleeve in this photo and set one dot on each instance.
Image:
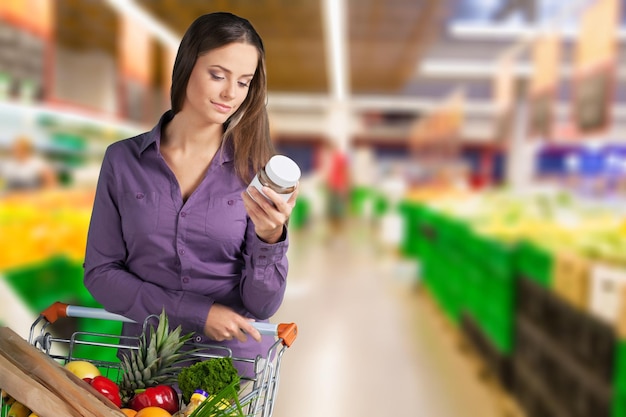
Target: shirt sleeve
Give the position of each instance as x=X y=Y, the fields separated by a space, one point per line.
x=264 y=278
x=107 y=278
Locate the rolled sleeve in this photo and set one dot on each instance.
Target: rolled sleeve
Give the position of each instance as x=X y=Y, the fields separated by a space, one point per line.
x=265 y=276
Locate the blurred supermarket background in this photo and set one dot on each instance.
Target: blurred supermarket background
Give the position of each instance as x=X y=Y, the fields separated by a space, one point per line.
x=479 y=144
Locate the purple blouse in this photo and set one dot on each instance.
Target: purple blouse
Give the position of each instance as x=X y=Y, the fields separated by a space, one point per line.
x=148 y=249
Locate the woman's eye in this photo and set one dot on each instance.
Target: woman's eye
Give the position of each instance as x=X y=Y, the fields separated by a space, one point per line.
x=216 y=77
x=242 y=84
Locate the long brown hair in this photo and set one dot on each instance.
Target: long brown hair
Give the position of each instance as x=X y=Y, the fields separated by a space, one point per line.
x=247 y=130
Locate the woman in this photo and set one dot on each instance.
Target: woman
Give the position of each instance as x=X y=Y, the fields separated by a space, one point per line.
x=172 y=224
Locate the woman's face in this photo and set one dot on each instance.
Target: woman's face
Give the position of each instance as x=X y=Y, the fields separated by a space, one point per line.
x=220 y=80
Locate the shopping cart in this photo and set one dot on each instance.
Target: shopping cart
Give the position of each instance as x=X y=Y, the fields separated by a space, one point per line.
x=101 y=349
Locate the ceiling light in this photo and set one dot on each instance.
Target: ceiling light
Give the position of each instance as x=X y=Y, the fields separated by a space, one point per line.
x=335 y=21
x=132 y=10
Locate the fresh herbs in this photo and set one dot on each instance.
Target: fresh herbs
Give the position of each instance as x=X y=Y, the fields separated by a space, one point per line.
x=211 y=375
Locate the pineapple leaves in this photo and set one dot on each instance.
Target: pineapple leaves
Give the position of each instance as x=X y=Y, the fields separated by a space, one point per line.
x=157 y=357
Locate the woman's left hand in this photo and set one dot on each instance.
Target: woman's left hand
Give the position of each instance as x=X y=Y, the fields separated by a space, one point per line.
x=269 y=219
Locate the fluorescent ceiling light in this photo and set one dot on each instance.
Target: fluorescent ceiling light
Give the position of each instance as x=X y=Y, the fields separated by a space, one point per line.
x=131 y=9
x=487 y=30
x=466 y=69
x=335 y=21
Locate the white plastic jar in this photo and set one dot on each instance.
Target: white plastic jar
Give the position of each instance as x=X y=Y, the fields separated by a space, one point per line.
x=281 y=174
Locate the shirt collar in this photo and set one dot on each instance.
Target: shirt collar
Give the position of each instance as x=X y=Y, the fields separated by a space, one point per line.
x=224 y=154
x=154 y=136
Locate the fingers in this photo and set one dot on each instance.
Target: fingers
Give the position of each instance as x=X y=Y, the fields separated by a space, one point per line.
x=240 y=332
x=267 y=203
x=294 y=196
x=225 y=324
x=268 y=218
x=284 y=206
x=249 y=329
x=270 y=201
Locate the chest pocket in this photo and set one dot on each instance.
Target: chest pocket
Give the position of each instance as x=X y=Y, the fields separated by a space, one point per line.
x=226 y=219
x=140 y=212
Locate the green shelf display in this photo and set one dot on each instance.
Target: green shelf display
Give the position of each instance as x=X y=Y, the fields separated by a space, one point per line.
x=367 y=200
x=619 y=381
x=41 y=284
x=58 y=278
x=300 y=214
x=465 y=271
x=534 y=262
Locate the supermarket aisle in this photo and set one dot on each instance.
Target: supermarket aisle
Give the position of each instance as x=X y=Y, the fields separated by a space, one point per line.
x=369 y=345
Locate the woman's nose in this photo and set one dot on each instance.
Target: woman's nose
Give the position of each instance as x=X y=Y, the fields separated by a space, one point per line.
x=229 y=91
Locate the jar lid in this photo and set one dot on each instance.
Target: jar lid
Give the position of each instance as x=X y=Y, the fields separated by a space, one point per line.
x=283 y=171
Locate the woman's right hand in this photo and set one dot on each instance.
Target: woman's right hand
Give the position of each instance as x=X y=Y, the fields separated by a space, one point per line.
x=223 y=323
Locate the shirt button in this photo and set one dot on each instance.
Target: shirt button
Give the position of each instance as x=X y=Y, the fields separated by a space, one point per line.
x=183 y=214
x=231 y=202
x=140 y=196
x=181 y=251
x=198 y=339
x=186 y=280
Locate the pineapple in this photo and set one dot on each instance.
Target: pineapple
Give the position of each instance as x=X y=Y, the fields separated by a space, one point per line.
x=156 y=361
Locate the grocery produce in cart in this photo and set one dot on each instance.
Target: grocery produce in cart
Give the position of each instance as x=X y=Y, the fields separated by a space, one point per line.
x=12 y=407
x=163 y=396
x=143 y=383
x=210 y=376
x=83 y=369
x=154 y=365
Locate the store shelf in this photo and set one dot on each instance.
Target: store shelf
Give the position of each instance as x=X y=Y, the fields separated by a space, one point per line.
x=45 y=119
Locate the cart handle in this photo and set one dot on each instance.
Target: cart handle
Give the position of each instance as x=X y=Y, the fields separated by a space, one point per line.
x=285 y=331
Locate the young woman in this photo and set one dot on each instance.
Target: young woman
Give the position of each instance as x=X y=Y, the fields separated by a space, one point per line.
x=172 y=225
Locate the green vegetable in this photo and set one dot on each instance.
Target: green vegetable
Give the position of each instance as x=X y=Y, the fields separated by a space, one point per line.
x=211 y=375
x=223 y=404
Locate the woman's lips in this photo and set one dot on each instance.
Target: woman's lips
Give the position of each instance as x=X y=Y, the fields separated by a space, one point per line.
x=222 y=108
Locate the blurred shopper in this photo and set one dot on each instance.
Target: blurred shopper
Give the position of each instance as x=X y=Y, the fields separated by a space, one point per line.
x=173 y=225
x=338 y=188
x=25 y=169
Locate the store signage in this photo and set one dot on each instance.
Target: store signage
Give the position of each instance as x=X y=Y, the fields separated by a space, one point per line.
x=595 y=67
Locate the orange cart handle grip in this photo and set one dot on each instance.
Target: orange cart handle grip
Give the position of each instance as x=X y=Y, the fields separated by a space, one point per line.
x=288 y=332
x=56 y=311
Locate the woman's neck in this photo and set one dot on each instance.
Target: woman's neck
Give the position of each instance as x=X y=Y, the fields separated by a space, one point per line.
x=189 y=135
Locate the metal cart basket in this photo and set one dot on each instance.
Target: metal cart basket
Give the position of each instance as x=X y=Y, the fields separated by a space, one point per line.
x=259 y=390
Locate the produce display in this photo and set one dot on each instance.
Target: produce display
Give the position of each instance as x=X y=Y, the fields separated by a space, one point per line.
x=553 y=221
x=37 y=226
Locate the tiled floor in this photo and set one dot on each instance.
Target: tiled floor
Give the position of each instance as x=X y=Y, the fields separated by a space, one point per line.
x=370 y=344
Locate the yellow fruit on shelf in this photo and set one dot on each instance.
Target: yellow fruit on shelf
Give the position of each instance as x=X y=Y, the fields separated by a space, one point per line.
x=83 y=369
